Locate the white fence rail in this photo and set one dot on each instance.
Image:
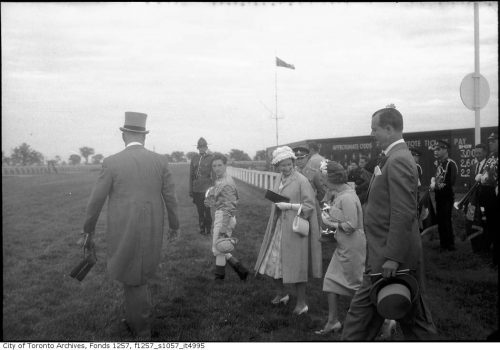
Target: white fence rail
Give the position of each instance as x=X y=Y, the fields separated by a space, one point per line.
x=261 y=179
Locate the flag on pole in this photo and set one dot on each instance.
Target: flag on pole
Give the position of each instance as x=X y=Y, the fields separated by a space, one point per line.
x=281 y=63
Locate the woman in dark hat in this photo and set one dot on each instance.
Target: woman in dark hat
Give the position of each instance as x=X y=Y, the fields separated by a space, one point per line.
x=345 y=272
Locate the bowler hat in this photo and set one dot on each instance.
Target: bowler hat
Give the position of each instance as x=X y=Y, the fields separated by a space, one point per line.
x=394 y=296
x=300 y=152
x=202 y=143
x=135 y=122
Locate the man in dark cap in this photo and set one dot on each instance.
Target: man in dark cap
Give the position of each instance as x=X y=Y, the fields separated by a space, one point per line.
x=442 y=185
x=312 y=174
x=489 y=193
x=200 y=180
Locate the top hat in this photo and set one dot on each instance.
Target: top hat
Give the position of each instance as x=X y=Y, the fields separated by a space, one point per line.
x=493 y=136
x=415 y=152
x=394 y=296
x=135 y=122
x=300 y=152
x=442 y=144
x=202 y=143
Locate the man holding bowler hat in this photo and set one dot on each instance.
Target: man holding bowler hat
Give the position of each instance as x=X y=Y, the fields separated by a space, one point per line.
x=393 y=240
x=138 y=185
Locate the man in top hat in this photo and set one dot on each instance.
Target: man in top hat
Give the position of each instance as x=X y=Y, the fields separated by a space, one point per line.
x=489 y=193
x=442 y=185
x=138 y=185
x=392 y=237
x=200 y=180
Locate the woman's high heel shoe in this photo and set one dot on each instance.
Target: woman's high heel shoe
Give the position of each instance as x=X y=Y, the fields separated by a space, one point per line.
x=335 y=328
x=277 y=300
x=302 y=311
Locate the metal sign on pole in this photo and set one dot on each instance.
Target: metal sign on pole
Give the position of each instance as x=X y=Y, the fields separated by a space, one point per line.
x=474 y=89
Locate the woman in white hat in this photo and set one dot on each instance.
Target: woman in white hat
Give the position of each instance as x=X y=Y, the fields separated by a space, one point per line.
x=345 y=217
x=287 y=256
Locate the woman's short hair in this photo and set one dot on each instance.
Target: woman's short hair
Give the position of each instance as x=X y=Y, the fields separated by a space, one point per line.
x=219 y=156
x=389 y=116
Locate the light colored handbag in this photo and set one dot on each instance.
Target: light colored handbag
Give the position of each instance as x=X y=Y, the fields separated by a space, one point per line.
x=300 y=225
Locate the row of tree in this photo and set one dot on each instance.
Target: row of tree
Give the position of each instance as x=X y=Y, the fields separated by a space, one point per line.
x=234 y=154
x=25 y=155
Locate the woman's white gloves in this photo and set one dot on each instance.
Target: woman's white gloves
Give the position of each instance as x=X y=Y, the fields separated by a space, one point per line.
x=287 y=206
x=328 y=222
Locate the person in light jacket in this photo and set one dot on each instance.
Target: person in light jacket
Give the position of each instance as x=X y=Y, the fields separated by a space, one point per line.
x=138 y=185
x=286 y=256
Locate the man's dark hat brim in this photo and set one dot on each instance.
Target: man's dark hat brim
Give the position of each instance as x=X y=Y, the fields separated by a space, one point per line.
x=409 y=281
x=442 y=144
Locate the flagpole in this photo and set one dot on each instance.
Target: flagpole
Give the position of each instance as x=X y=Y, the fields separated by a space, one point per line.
x=276 y=99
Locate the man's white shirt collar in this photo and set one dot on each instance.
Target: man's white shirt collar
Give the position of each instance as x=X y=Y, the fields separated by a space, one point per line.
x=392 y=145
x=134 y=144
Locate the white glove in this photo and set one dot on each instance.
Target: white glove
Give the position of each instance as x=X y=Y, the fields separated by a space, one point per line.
x=433 y=183
x=284 y=206
x=287 y=206
x=484 y=178
x=327 y=221
x=478 y=178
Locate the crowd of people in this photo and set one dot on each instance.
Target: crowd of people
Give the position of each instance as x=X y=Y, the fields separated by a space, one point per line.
x=371 y=213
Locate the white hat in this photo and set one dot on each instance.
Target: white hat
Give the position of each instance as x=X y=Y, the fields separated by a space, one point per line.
x=282 y=153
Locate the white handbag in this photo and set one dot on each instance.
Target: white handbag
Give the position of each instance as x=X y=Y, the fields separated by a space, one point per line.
x=300 y=225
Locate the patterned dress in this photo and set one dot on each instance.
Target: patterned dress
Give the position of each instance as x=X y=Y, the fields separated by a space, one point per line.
x=272 y=264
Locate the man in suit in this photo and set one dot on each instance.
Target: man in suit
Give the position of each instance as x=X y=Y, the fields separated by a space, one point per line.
x=138 y=185
x=392 y=235
x=200 y=180
x=489 y=194
x=479 y=243
x=442 y=185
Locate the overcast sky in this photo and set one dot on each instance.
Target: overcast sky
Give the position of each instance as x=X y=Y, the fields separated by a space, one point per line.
x=70 y=71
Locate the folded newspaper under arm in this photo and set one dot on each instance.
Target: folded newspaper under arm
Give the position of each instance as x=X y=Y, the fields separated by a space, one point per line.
x=276 y=197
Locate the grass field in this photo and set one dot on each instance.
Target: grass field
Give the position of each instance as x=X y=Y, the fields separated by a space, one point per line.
x=43 y=214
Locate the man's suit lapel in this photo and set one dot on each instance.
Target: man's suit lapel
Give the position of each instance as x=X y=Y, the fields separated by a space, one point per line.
x=383 y=161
